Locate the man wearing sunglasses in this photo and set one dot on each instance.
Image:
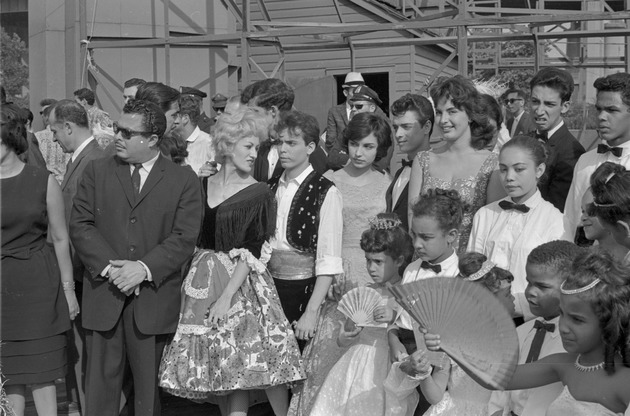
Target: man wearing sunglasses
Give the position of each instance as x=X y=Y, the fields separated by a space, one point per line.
x=134 y=223
x=519 y=121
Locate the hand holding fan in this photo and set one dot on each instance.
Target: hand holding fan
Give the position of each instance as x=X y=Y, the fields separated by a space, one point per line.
x=475 y=329
x=359 y=304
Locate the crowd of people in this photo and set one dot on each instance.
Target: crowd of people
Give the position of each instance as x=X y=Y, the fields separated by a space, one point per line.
x=168 y=252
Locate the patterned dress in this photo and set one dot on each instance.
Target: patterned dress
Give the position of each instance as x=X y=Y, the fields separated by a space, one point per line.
x=472 y=190
x=254 y=348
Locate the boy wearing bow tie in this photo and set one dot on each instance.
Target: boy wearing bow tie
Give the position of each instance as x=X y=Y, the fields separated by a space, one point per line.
x=551 y=90
x=613 y=124
x=541 y=336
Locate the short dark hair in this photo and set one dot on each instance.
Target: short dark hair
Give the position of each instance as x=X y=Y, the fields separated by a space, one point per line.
x=610 y=185
x=85 y=94
x=538 y=151
x=517 y=91
x=46 y=111
x=471 y=262
x=555 y=78
x=445 y=206
x=153 y=119
x=364 y=124
x=13 y=131
x=189 y=105
x=134 y=82
x=298 y=123
x=394 y=241
x=557 y=255
x=269 y=92
x=45 y=102
x=158 y=93
x=619 y=82
x=71 y=111
x=418 y=104
x=464 y=95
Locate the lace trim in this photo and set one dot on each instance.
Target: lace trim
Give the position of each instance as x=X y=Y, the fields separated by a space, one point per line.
x=195 y=293
x=186 y=329
x=245 y=255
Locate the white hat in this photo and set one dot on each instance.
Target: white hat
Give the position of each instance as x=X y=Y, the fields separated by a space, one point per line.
x=353 y=79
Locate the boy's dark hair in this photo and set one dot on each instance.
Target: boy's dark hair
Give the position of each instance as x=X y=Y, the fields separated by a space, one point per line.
x=619 y=82
x=519 y=92
x=557 y=254
x=85 y=94
x=419 y=105
x=556 y=79
x=269 y=92
x=298 y=123
x=134 y=82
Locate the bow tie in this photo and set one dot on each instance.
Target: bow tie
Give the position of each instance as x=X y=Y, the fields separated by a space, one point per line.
x=406 y=163
x=546 y=327
x=428 y=266
x=542 y=136
x=506 y=205
x=616 y=151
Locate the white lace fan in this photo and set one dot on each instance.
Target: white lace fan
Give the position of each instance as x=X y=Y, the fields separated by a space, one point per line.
x=359 y=304
x=475 y=329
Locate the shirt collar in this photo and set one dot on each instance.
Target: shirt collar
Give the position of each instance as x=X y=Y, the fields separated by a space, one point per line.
x=625 y=145
x=193 y=136
x=148 y=165
x=532 y=202
x=299 y=179
x=555 y=129
x=449 y=261
x=79 y=149
x=518 y=117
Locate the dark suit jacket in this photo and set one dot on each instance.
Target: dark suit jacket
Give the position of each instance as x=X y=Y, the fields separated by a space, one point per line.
x=564 y=152
x=402 y=204
x=70 y=184
x=337 y=123
x=160 y=229
x=525 y=125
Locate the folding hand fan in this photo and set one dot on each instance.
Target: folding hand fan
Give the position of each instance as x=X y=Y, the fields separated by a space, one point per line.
x=475 y=328
x=359 y=304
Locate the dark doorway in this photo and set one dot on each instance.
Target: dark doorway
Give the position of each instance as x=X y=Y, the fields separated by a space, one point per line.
x=378 y=81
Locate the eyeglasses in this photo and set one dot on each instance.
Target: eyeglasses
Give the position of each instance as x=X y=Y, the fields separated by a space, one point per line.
x=357 y=106
x=127 y=133
x=513 y=100
x=219 y=109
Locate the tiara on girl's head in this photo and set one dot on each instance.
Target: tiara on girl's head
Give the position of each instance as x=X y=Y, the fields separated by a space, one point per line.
x=377 y=223
x=579 y=289
x=604 y=205
x=609 y=177
x=486 y=266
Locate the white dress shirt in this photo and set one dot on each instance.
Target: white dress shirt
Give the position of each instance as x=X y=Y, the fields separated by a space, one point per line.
x=531 y=402
x=329 y=234
x=200 y=149
x=515 y=122
x=413 y=273
x=272 y=159
x=507 y=237
x=584 y=168
x=79 y=149
x=401 y=182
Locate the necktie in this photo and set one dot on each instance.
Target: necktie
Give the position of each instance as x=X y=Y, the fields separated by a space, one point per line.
x=135 y=178
x=506 y=205
x=539 y=337
x=406 y=163
x=616 y=151
x=428 y=266
x=542 y=136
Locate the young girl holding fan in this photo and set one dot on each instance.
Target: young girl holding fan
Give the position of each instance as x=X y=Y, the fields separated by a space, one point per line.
x=595 y=331
x=507 y=230
x=354 y=386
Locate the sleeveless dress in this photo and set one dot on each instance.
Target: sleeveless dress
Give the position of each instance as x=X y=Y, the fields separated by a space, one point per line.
x=360 y=203
x=463 y=396
x=34 y=308
x=254 y=348
x=472 y=190
x=566 y=404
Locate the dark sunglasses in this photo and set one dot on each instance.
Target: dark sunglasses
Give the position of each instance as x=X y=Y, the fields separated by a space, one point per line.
x=357 y=106
x=217 y=109
x=513 y=100
x=127 y=133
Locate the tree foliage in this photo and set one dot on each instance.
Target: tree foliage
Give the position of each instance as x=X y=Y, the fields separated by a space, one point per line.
x=13 y=69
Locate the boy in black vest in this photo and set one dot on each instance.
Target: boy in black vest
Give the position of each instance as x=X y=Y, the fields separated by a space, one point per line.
x=307 y=246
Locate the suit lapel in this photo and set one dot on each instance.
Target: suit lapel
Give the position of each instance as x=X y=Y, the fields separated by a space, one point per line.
x=124 y=176
x=155 y=176
x=390 y=189
x=73 y=165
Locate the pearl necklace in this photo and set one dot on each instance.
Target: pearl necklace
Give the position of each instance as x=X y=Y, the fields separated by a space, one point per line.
x=587 y=368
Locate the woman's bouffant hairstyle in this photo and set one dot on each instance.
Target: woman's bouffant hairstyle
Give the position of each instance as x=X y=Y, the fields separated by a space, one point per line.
x=470 y=263
x=610 y=185
x=445 y=206
x=364 y=124
x=537 y=150
x=393 y=240
x=492 y=108
x=609 y=299
x=464 y=96
x=230 y=128
x=13 y=129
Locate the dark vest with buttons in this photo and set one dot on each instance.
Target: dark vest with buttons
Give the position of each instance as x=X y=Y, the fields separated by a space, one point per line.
x=303 y=221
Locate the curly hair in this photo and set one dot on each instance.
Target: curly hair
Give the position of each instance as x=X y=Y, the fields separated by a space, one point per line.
x=394 y=241
x=492 y=108
x=158 y=93
x=189 y=105
x=85 y=94
x=153 y=119
x=13 y=132
x=298 y=124
x=232 y=127
x=619 y=82
x=557 y=255
x=609 y=299
x=555 y=78
x=419 y=105
x=445 y=206
x=464 y=96
x=537 y=150
x=610 y=185
x=364 y=124
x=269 y=92
x=470 y=263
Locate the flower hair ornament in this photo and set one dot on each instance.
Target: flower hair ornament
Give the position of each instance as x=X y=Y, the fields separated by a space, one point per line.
x=377 y=223
x=486 y=266
x=579 y=289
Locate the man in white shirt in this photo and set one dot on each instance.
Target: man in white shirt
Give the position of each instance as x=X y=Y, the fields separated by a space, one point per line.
x=613 y=118
x=198 y=143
